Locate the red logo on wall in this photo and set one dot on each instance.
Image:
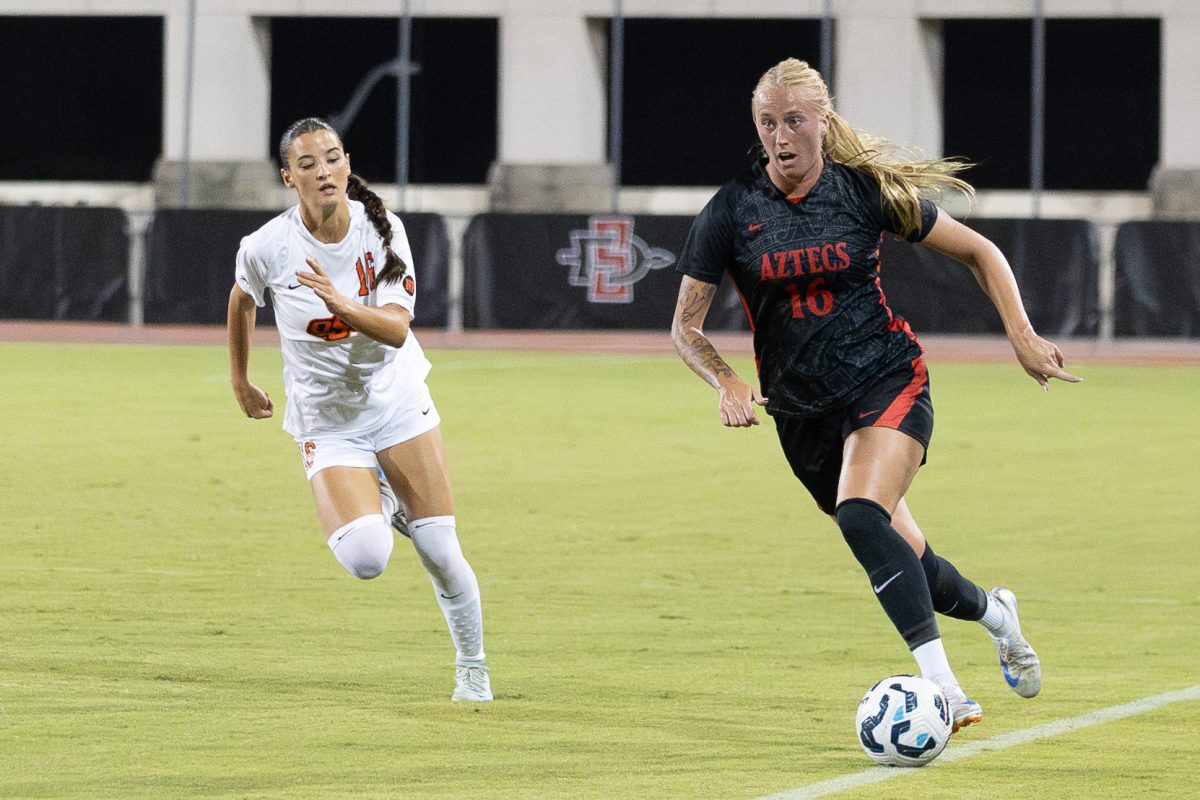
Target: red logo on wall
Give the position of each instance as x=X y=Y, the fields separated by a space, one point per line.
x=608 y=259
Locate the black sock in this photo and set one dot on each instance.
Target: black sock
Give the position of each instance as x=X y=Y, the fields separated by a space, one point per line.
x=953 y=595
x=895 y=571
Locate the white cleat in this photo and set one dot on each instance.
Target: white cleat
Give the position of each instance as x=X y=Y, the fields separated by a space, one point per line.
x=393 y=509
x=400 y=523
x=963 y=710
x=1020 y=665
x=471 y=682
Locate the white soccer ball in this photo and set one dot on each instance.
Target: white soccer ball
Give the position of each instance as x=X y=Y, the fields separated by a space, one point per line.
x=903 y=721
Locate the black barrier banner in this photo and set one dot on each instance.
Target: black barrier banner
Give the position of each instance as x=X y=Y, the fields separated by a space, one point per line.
x=64 y=263
x=190 y=255
x=575 y=271
x=1056 y=263
x=430 y=242
x=1157 y=286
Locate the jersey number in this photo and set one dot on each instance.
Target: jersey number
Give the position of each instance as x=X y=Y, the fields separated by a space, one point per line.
x=366 y=274
x=329 y=328
x=816 y=299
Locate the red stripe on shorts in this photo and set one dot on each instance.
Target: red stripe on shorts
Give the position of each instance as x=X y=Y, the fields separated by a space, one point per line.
x=898 y=410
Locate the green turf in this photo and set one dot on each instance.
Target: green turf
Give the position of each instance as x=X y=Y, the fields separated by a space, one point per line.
x=667 y=614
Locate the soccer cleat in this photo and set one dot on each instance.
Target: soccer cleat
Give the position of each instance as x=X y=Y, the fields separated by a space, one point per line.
x=471 y=682
x=963 y=710
x=398 y=518
x=400 y=523
x=1020 y=665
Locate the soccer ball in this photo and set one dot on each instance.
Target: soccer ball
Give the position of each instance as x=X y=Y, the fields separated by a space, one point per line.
x=903 y=721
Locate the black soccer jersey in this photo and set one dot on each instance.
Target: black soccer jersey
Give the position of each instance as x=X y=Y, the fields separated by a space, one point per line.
x=808 y=273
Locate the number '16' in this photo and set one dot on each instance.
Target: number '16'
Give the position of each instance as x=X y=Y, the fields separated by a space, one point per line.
x=816 y=298
x=366 y=274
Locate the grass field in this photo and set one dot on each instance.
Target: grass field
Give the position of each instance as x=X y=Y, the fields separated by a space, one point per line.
x=667 y=615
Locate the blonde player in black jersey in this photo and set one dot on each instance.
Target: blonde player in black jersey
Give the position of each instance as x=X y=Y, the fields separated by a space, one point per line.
x=844 y=379
x=340 y=274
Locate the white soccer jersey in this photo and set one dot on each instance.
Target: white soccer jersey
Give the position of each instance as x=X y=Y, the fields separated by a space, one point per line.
x=336 y=379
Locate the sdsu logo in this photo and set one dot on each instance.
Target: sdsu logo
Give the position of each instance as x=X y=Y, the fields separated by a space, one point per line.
x=608 y=259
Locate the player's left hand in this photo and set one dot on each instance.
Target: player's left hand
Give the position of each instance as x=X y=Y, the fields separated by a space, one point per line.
x=323 y=287
x=1042 y=360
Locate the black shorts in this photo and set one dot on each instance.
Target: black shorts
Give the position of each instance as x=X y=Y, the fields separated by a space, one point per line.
x=813 y=447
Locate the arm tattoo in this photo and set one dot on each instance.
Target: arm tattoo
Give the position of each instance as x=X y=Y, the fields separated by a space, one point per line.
x=709 y=360
x=693 y=347
x=695 y=302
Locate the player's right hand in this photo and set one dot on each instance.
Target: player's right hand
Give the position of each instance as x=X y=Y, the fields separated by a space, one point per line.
x=254 y=401
x=736 y=403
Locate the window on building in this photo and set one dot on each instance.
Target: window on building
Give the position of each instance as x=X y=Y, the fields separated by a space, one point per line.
x=83 y=97
x=687 y=82
x=453 y=95
x=1101 y=101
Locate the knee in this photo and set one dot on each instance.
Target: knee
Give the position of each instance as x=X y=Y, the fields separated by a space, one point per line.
x=366 y=570
x=363 y=546
x=859 y=517
x=437 y=545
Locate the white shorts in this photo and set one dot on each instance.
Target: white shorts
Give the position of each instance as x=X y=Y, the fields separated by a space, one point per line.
x=415 y=414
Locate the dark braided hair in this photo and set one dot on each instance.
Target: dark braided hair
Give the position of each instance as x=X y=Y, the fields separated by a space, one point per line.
x=394 y=266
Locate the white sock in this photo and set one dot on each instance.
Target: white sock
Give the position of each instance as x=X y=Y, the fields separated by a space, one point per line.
x=363 y=545
x=932 y=661
x=389 y=505
x=994 y=618
x=454 y=583
x=387 y=496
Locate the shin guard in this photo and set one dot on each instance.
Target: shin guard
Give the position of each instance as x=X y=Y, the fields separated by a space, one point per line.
x=896 y=575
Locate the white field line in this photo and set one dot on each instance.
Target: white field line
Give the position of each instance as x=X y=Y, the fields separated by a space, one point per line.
x=955 y=752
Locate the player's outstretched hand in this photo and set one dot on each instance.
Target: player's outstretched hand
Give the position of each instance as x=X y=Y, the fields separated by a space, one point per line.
x=322 y=286
x=736 y=403
x=1042 y=360
x=254 y=401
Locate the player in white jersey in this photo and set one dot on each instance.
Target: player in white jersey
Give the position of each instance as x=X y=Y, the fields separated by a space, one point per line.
x=339 y=270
